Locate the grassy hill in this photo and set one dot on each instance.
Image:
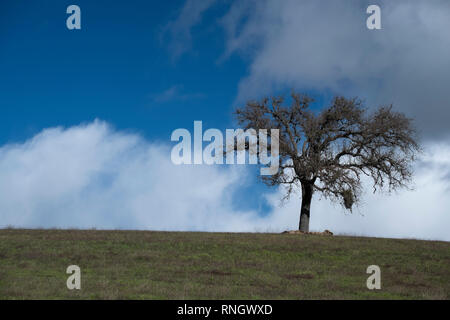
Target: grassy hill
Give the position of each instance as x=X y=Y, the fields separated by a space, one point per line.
x=188 y=265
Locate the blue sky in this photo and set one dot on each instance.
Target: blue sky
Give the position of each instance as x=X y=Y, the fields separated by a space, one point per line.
x=114 y=68
x=146 y=68
x=118 y=68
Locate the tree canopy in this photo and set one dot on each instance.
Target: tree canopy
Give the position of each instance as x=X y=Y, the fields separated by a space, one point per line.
x=328 y=151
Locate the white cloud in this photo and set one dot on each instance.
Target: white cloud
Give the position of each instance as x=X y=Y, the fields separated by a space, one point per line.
x=93 y=176
x=179 y=30
x=175 y=93
x=325 y=45
x=422 y=213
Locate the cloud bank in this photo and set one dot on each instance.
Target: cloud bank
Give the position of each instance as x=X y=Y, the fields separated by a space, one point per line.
x=91 y=176
x=94 y=176
x=325 y=45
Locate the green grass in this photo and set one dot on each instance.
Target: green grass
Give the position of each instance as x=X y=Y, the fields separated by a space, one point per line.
x=188 y=265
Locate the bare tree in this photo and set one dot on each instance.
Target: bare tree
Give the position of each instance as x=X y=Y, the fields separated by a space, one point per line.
x=328 y=152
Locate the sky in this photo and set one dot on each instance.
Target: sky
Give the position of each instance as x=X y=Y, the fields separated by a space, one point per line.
x=86 y=115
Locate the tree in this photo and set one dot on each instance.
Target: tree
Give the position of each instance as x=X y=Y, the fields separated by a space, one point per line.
x=328 y=152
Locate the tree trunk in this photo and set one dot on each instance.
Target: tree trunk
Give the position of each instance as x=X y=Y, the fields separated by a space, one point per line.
x=307 y=192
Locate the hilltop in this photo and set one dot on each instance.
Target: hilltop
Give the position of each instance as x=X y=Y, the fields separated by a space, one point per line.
x=195 y=265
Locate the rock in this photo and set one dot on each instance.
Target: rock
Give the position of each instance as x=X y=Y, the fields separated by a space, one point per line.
x=325 y=233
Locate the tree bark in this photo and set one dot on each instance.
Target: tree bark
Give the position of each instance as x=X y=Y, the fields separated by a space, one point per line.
x=307 y=192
